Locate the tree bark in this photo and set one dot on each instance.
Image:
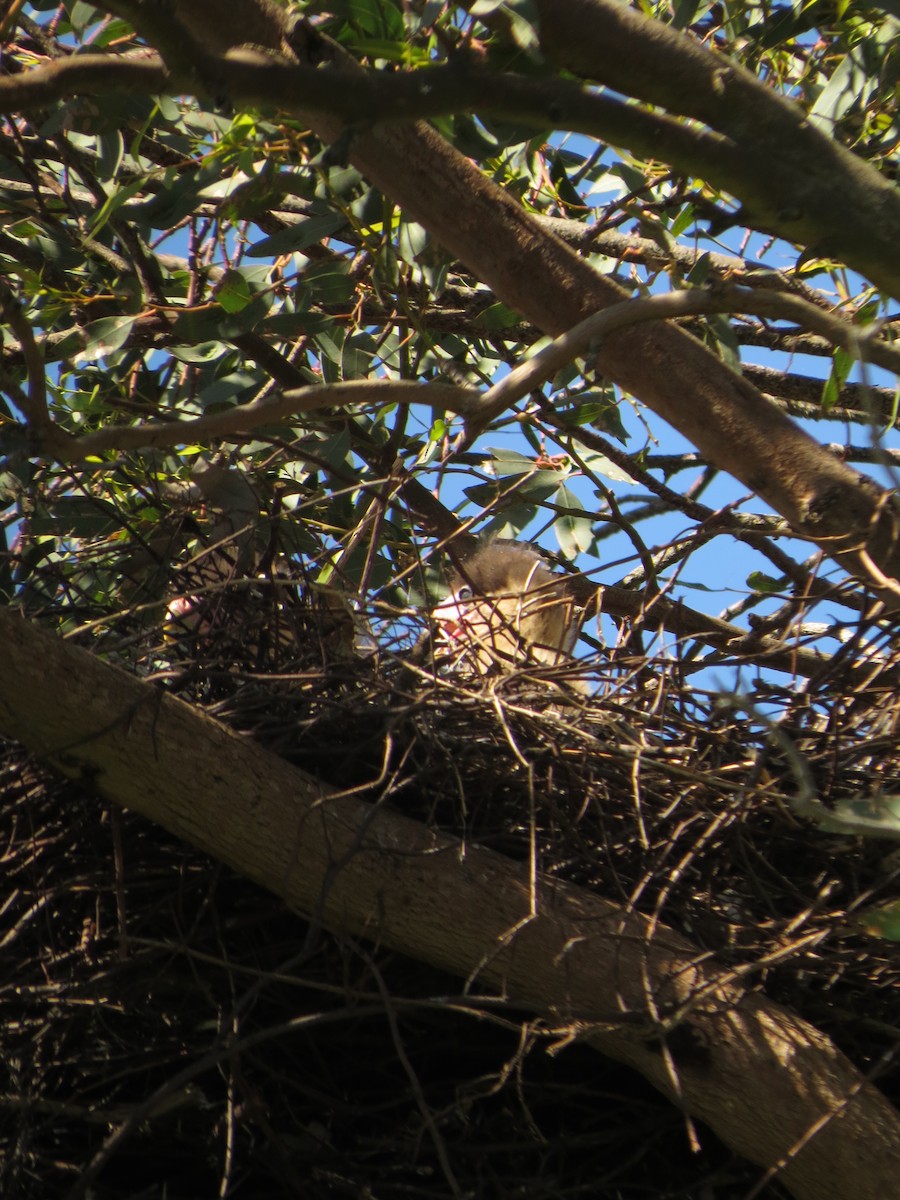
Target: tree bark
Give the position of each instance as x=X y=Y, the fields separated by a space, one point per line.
x=771 y=1086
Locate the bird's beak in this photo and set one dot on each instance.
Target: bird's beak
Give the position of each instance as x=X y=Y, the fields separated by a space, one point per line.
x=450 y=618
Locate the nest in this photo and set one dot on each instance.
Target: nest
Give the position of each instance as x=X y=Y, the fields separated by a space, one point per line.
x=168 y=1026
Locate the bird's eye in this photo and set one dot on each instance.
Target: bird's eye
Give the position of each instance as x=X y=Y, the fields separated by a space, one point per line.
x=464 y=593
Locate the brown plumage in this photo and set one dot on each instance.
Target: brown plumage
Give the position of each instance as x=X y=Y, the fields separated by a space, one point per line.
x=506 y=609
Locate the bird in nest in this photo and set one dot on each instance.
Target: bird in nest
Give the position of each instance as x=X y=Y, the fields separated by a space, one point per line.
x=507 y=610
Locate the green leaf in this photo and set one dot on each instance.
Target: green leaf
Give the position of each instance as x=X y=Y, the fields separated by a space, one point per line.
x=114 y=202
x=766 y=584
x=296 y=238
x=875 y=815
x=574 y=528
x=82 y=16
x=599 y=464
x=213 y=322
x=841 y=365
x=882 y=922
x=112 y=151
x=510 y=462
x=328 y=283
x=699 y=272
x=293 y=324
x=499 y=316
x=104 y=337
x=725 y=340
x=849 y=87
x=203 y=352
x=76 y=516
x=233 y=292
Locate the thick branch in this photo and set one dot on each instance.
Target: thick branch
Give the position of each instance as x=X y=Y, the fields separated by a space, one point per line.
x=794 y=179
x=589 y=334
x=723 y=415
x=767 y=1080
x=85 y=74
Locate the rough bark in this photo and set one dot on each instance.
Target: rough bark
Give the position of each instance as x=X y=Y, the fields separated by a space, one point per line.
x=770 y=1085
x=782 y=166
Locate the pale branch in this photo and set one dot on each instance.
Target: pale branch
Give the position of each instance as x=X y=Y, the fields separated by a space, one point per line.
x=84 y=74
x=244 y=419
x=36 y=411
x=799 y=395
x=251 y=77
x=632 y=248
x=723 y=415
x=587 y=337
x=863 y=403
x=589 y=238
x=771 y=1086
x=290 y=211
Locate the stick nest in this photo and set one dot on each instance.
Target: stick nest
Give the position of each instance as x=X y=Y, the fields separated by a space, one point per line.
x=167 y=1026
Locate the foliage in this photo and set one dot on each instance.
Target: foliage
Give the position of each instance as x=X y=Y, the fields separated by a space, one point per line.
x=173 y=252
x=172 y=257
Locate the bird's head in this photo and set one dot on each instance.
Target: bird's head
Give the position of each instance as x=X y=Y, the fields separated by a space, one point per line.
x=506 y=606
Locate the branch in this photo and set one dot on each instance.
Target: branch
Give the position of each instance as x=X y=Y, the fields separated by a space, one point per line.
x=587 y=337
x=479 y=410
x=793 y=177
x=863 y=403
x=83 y=74
x=244 y=419
x=772 y=1087
x=36 y=411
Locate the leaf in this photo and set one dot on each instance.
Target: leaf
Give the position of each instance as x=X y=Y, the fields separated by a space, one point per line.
x=574 y=529
x=371 y=17
x=296 y=238
x=725 y=339
x=510 y=462
x=412 y=242
x=293 y=324
x=599 y=464
x=883 y=921
x=539 y=487
x=82 y=16
x=104 y=337
x=841 y=365
x=357 y=354
x=114 y=202
x=499 y=316
x=699 y=272
x=876 y=815
x=202 y=352
x=766 y=584
x=112 y=151
x=233 y=292
x=847 y=88
x=212 y=322
x=328 y=283
x=76 y=516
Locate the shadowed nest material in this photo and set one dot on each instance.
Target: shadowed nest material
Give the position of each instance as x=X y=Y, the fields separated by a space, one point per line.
x=166 y=1024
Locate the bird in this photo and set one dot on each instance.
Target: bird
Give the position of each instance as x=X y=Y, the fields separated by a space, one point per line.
x=506 y=610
